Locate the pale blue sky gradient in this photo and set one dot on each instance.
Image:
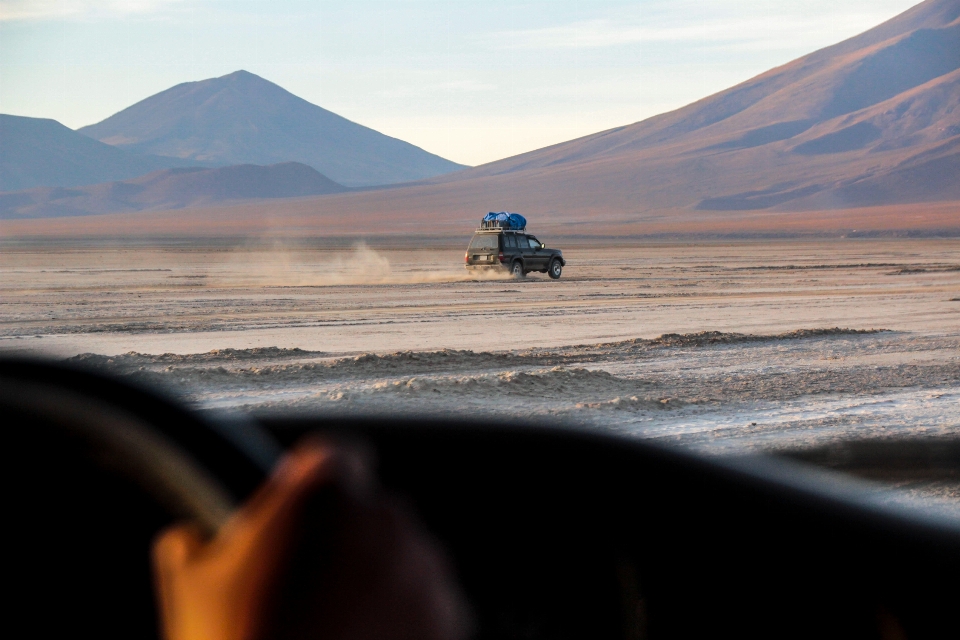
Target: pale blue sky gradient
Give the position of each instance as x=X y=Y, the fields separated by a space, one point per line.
x=471 y=81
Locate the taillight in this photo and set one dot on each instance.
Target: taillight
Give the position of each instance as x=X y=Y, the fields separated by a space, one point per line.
x=466 y=258
x=501 y=257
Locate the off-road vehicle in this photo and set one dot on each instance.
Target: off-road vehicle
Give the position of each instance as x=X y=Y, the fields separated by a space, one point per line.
x=512 y=250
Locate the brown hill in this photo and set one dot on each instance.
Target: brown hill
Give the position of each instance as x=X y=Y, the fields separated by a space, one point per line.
x=851 y=132
x=874 y=109
x=242 y=118
x=38 y=152
x=171 y=189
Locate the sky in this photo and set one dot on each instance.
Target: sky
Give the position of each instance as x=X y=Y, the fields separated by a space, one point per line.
x=470 y=81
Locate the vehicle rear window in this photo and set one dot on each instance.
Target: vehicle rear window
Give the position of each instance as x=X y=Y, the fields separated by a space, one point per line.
x=485 y=241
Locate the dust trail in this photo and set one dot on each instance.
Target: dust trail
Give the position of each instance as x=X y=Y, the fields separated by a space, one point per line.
x=281 y=266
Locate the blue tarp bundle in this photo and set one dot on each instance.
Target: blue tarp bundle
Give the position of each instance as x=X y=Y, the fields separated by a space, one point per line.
x=505 y=220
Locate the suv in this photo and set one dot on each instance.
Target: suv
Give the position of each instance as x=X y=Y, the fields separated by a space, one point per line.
x=514 y=251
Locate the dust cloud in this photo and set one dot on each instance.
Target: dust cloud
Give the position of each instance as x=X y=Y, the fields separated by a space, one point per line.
x=279 y=265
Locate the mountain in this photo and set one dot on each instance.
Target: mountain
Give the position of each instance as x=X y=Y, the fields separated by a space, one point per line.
x=37 y=152
x=864 y=134
x=242 y=118
x=171 y=189
x=872 y=120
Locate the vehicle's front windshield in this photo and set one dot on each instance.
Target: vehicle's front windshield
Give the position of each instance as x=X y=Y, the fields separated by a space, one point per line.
x=264 y=209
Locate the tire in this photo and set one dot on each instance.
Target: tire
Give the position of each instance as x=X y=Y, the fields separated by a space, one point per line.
x=555 y=270
x=516 y=270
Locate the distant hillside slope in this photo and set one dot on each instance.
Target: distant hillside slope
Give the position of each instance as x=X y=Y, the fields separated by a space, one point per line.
x=37 y=152
x=866 y=124
x=242 y=118
x=837 y=128
x=916 y=47
x=171 y=189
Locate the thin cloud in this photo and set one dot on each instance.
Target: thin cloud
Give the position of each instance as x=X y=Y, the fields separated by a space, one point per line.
x=775 y=32
x=21 y=10
x=411 y=88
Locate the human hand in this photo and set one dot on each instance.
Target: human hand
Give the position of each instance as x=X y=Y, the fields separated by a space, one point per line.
x=314 y=553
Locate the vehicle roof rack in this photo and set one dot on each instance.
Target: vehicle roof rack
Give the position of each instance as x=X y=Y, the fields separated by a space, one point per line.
x=494 y=226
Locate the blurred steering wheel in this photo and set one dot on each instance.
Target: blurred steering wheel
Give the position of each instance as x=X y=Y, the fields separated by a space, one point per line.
x=554 y=532
x=94 y=468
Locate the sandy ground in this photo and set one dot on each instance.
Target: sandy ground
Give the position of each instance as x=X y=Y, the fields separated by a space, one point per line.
x=66 y=300
x=723 y=347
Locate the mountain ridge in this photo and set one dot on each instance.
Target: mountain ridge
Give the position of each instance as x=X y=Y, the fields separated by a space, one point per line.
x=241 y=118
x=722 y=109
x=837 y=117
x=872 y=121
x=37 y=152
x=171 y=189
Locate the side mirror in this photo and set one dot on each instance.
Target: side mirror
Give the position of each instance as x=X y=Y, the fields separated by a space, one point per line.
x=543 y=246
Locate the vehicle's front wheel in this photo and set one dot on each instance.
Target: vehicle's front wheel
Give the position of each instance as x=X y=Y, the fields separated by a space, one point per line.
x=555 y=270
x=517 y=270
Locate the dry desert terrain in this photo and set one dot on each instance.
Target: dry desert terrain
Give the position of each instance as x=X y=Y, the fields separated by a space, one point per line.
x=723 y=346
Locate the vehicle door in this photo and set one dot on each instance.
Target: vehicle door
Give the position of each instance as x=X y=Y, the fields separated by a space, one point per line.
x=537 y=256
x=512 y=247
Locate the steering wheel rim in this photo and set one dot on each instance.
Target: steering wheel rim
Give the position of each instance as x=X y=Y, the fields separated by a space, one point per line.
x=198 y=468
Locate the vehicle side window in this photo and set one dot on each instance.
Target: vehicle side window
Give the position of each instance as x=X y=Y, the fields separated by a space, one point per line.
x=510 y=242
x=534 y=243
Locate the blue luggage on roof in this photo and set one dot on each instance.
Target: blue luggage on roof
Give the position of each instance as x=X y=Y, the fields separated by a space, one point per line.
x=504 y=220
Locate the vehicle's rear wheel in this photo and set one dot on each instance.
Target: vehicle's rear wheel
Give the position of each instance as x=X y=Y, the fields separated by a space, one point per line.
x=555 y=270
x=517 y=270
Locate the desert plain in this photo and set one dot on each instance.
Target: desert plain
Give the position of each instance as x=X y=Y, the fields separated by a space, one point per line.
x=728 y=347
